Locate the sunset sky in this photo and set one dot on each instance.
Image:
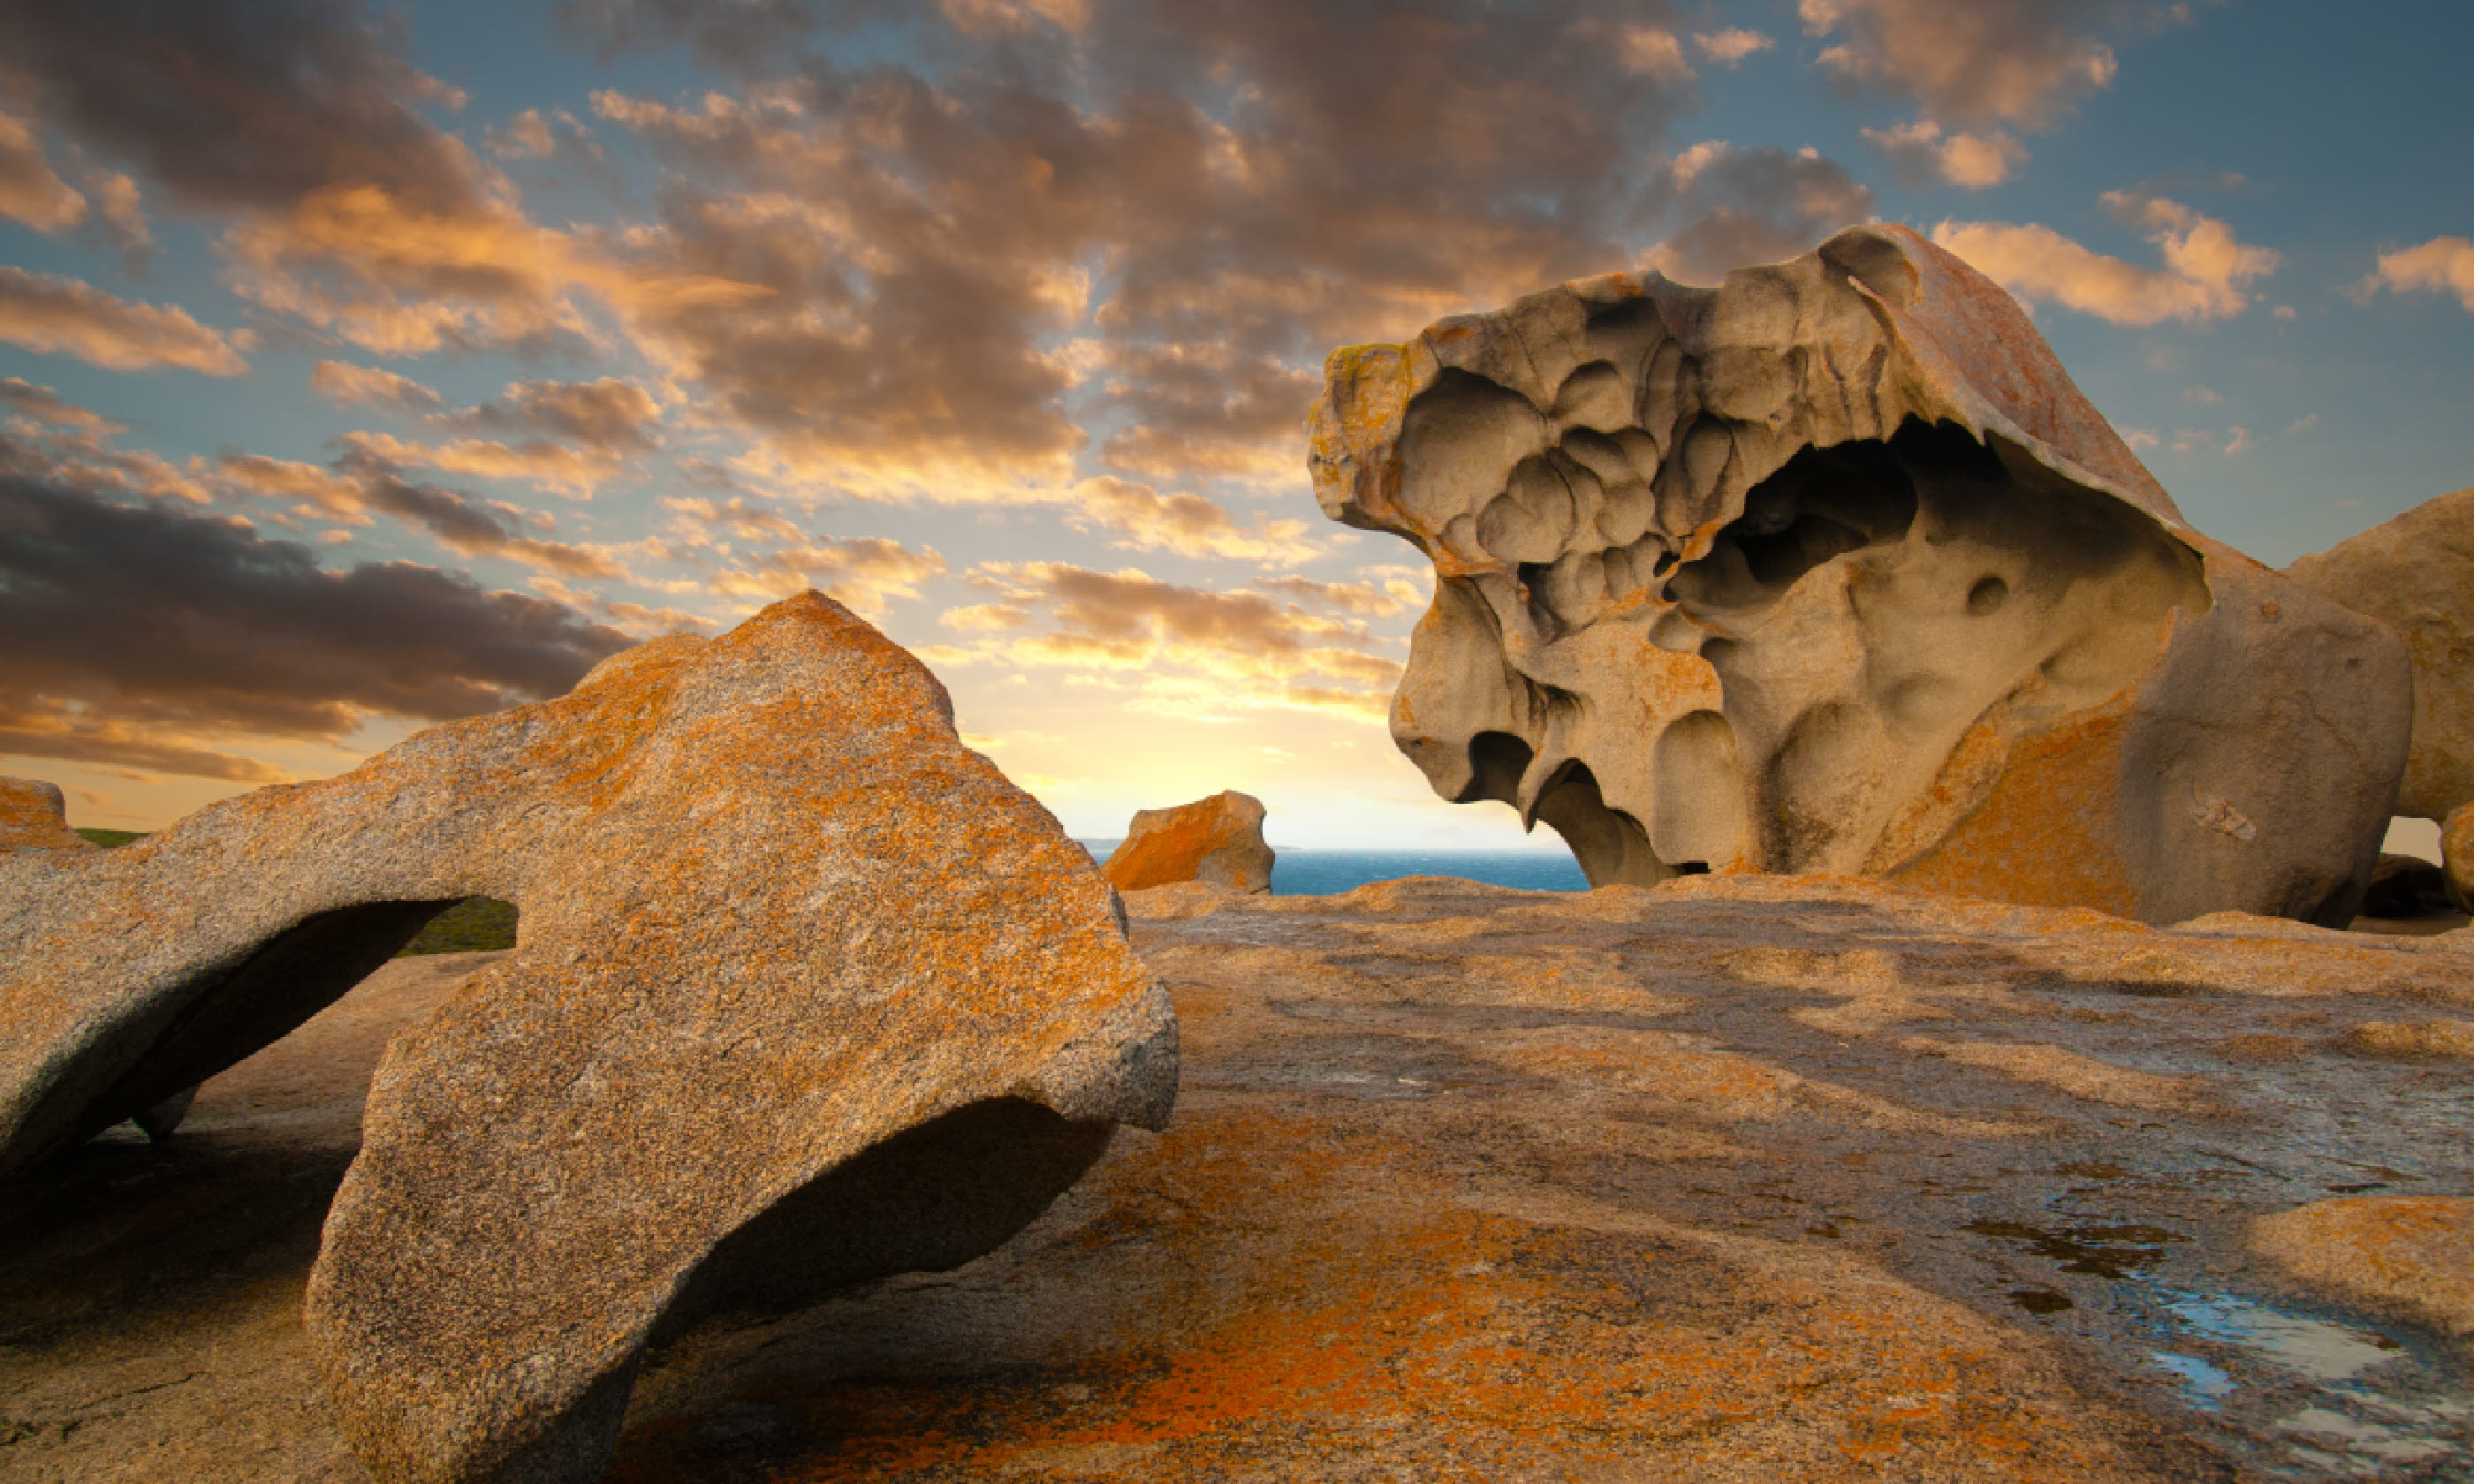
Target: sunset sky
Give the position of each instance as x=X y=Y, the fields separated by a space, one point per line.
x=366 y=368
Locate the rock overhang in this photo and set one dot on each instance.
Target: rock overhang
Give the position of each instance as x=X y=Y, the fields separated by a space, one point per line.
x=1791 y=573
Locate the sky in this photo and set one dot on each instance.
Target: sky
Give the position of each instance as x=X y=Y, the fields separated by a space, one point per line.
x=363 y=368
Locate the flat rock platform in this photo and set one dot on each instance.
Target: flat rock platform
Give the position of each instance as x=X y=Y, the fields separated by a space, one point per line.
x=1736 y=1179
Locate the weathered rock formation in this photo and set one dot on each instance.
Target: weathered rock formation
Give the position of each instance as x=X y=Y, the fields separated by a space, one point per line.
x=805 y=993
x=2415 y=574
x=1832 y=568
x=1217 y=840
x=33 y=816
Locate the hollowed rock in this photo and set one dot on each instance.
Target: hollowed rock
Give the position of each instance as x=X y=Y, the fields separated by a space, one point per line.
x=1830 y=569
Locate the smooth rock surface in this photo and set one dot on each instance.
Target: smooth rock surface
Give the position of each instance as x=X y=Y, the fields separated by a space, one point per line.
x=1217 y=841
x=1730 y=1182
x=33 y=816
x=1832 y=568
x=2415 y=574
x=804 y=992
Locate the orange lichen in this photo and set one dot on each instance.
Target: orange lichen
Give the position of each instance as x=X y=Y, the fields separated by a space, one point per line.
x=2041 y=835
x=1328 y=1305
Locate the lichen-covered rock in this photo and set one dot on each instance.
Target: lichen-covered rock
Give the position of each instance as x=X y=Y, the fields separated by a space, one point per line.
x=1832 y=568
x=2408 y=1256
x=1217 y=840
x=805 y=993
x=2457 y=852
x=33 y=816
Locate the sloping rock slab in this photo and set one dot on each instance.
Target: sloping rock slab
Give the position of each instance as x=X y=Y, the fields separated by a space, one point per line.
x=805 y=993
x=1217 y=840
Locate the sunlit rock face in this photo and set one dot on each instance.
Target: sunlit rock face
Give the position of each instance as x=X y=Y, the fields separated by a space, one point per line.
x=806 y=994
x=1830 y=569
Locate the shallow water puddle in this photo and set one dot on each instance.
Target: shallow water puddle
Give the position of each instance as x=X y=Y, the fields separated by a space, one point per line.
x=2355 y=1422
x=2318 y=1348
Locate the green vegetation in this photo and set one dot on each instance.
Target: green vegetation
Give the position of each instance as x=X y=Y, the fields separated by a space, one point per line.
x=107 y=838
x=475 y=924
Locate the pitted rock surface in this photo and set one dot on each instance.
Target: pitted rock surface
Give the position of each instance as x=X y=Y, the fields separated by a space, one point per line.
x=1832 y=568
x=805 y=993
x=1735 y=1181
x=1218 y=841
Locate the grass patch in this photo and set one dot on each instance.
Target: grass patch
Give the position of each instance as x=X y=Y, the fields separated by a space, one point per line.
x=107 y=838
x=476 y=925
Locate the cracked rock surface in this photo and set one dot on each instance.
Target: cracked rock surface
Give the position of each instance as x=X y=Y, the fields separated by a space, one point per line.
x=1735 y=1181
x=1830 y=569
x=805 y=993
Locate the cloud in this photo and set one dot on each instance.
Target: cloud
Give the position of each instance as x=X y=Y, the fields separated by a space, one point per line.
x=30 y=192
x=1970 y=62
x=737 y=515
x=744 y=34
x=346 y=385
x=538 y=462
x=1398 y=593
x=2444 y=265
x=1127 y=620
x=1654 y=51
x=611 y=413
x=298 y=123
x=156 y=637
x=1731 y=45
x=44 y=313
x=2204 y=274
x=1187 y=525
x=2239 y=443
x=1971 y=161
x=919 y=250
x=45 y=405
x=1204 y=410
x=1742 y=206
x=862 y=573
x=366 y=480
x=2304 y=424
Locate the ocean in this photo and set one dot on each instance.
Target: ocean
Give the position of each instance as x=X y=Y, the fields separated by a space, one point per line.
x=1300 y=873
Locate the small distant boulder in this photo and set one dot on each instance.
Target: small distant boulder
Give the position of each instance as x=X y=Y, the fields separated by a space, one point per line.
x=33 y=814
x=1218 y=840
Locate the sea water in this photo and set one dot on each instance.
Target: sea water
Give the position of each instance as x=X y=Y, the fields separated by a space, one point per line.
x=1301 y=872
